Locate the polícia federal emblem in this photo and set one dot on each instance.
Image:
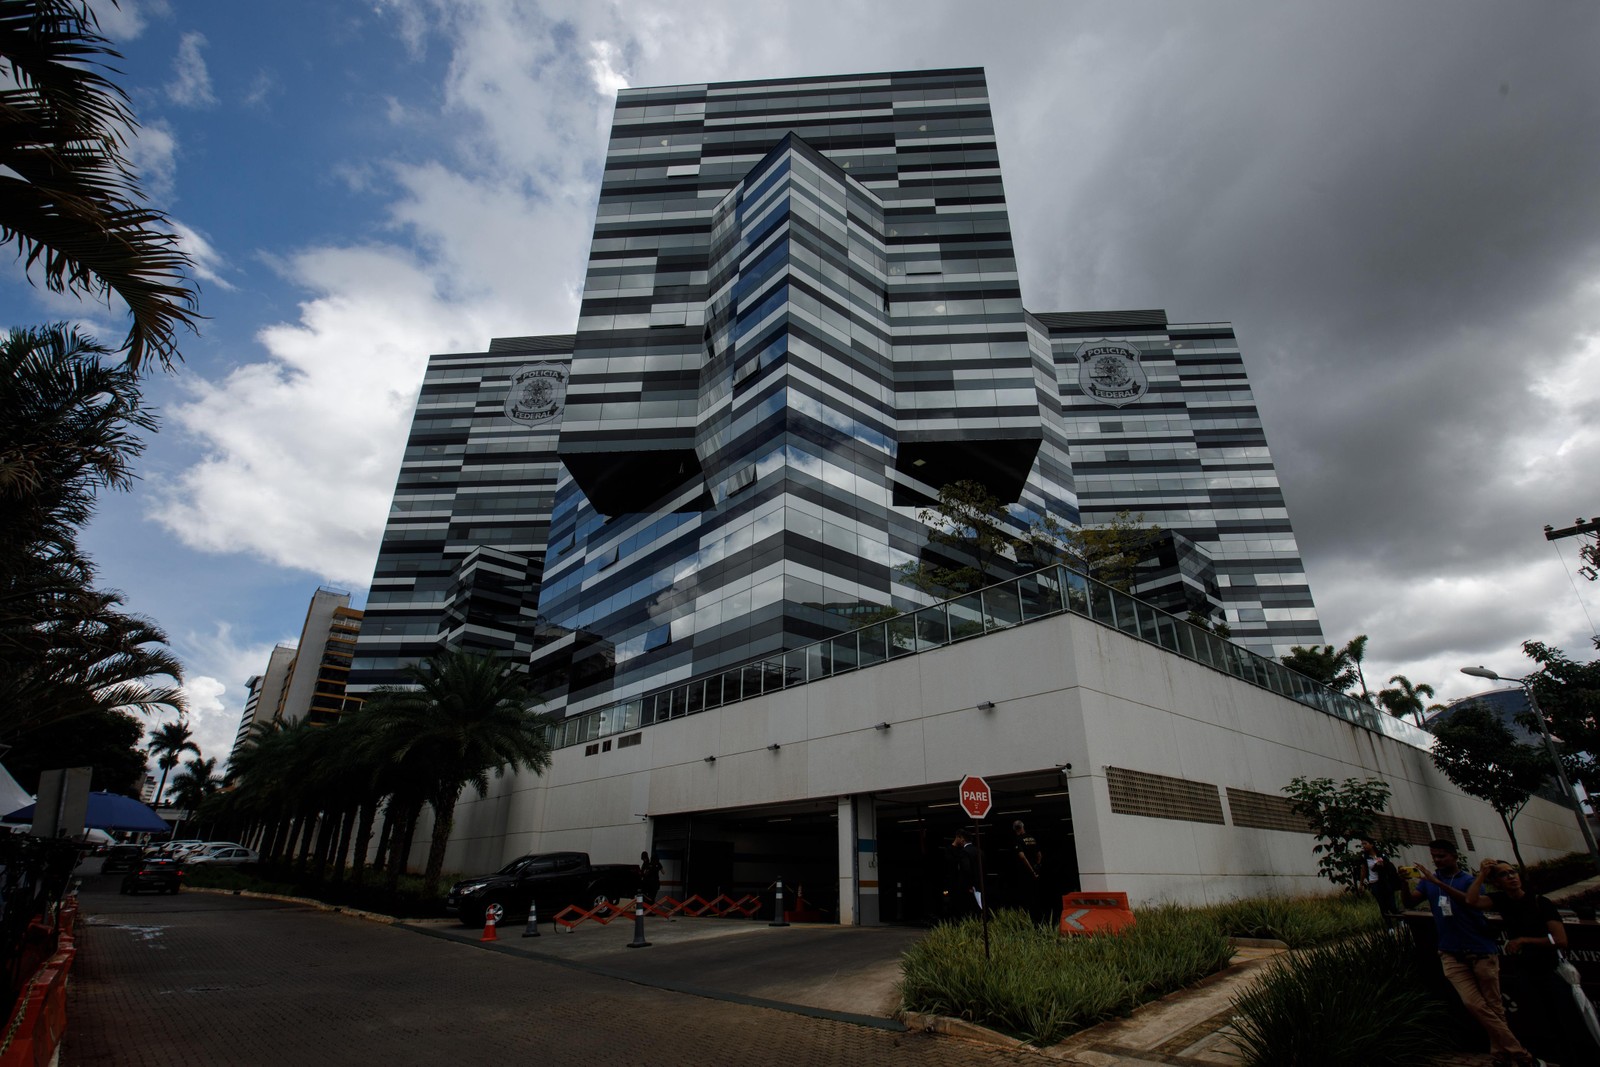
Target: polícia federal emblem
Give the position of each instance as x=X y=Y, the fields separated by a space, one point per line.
x=538 y=393
x=1109 y=371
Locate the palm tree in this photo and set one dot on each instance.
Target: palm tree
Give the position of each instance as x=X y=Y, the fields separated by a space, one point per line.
x=1406 y=699
x=1321 y=663
x=197 y=782
x=467 y=715
x=69 y=199
x=168 y=744
x=1354 y=651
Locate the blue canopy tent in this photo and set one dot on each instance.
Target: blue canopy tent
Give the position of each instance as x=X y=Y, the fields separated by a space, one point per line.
x=109 y=811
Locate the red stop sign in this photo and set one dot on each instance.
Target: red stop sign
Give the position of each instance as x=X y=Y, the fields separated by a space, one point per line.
x=976 y=800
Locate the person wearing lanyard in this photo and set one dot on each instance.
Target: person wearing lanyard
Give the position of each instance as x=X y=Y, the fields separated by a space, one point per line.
x=1469 y=956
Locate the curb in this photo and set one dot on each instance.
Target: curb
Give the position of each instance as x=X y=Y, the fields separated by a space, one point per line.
x=317 y=905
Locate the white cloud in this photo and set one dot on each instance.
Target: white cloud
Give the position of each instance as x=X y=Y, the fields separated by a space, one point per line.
x=191 y=82
x=153 y=151
x=126 y=20
x=208 y=262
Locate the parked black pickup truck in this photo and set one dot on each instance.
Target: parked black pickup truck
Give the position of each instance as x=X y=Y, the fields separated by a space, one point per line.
x=554 y=879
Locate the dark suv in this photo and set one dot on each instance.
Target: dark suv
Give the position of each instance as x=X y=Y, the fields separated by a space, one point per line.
x=121 y=858
x=160 y=873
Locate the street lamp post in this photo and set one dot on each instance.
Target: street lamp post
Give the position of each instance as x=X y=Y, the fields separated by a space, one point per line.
x=1550 y=746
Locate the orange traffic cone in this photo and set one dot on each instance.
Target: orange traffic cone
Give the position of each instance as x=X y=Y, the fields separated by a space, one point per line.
x=491 y=916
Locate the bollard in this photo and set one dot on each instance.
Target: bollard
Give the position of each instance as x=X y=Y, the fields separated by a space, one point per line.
x=491 y=917
x=777 y=907
x=533 y=920
x=638 y=922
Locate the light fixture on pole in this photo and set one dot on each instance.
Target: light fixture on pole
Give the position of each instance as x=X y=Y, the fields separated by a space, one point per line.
x=1550 y=747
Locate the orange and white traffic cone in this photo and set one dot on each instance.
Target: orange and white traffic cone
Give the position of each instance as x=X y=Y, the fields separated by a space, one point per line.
x=491 y=917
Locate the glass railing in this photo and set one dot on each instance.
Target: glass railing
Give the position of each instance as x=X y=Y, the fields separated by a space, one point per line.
x=1015 y=602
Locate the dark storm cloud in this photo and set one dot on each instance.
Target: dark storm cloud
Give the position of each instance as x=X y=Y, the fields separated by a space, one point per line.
x=1397 y=208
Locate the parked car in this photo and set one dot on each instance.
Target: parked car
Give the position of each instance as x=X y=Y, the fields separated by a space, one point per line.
x=553 y=879
x=121 y=858
x=161 y=873
x=177 y=848
x=223 y=856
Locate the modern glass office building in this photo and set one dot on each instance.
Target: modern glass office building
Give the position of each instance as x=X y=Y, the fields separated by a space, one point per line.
x=802 y=317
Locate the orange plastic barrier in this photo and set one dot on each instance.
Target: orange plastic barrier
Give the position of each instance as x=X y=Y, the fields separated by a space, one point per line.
x=1094 y=913
x=41 y=1014
x=665 y=908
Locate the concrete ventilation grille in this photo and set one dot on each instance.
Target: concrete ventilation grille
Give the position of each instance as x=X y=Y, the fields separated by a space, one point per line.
x=1264 y=811
x=1160 y=797
x=1446 y=832
x=1406 y=831
x=1466 y=835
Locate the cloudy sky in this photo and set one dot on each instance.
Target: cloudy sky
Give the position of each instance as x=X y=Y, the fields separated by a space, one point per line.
x=1396 y=205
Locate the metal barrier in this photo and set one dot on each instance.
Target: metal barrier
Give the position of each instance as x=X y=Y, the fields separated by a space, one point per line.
x=695 y=907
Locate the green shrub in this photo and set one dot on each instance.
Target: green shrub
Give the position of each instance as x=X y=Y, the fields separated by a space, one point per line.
x=1298 y=921
x=1040 y=986
x=1547 y=876
x=1363 y=1000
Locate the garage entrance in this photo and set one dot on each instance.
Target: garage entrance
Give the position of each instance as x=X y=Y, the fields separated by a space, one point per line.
x=743 y=852
x=915 y=862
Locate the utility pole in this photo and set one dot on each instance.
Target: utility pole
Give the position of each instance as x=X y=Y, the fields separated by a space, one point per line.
x=1590 y=552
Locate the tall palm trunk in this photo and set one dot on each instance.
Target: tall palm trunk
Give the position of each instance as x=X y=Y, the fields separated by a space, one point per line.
x=358 y=858
x=400 y=845
x=325 y=834
x=444 y=813
x=341 y=851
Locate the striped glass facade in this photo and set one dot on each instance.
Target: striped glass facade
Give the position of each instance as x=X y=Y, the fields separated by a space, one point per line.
x=801 y=318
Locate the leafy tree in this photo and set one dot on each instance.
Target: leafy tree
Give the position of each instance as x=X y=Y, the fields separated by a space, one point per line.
x=970 y=532
x=197 y=781
x=1111 y=552
x=1569 y=695
x=964 y=529
x=1321 y=663
x=1206 y=622
x=1484 y=759
x=69 y=200
x=168 y=744
x=1341 y=817
x=468 y=715
x=1405 y=699
x=106 y=741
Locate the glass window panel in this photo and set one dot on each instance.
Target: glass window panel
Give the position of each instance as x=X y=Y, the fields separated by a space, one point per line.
x=874 y=645
x=794 y=667
x=1122 y=608
x=966 y=616
x=819 y=661
x=1167 y=632
x=752 y=681
x=902 y=635
x=933 y=628
x=1100 y=604
x=1041 y=593
x=1077 y=591
x=732 y=686
x=1147 y=623
x=695 y=697
x=844 y=653
x=1002 y=607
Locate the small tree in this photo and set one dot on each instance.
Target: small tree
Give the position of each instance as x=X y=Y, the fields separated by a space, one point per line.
x=1110 y=553
x=1482 y=757
x=963 y=528
x=1341 y=817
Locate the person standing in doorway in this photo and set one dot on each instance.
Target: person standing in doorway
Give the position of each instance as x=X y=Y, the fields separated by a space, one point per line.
x=1469 y=956
x=965 y=887
x=649 y=876
x=1027 y=871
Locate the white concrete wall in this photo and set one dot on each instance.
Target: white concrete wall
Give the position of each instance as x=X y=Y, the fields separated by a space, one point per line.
x=1065 y=690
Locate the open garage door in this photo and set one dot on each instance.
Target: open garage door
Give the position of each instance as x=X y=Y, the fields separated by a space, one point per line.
x=744 y=851
x=915 y=863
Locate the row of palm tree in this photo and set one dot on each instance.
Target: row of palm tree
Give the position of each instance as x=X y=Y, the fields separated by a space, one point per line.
x=1341 y=670
x=313 y=794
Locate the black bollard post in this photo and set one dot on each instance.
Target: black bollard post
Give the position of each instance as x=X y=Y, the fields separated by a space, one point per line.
x=533 y=920
x=777 y=908
x=638 y=922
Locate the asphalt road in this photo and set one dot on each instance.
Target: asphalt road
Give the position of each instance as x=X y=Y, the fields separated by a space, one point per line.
x=219 y=980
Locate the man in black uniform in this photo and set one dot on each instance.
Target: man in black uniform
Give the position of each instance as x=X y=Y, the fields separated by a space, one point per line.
x=1027 y=879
